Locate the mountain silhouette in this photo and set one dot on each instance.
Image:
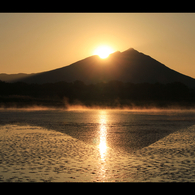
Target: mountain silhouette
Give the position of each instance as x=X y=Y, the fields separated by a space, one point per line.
x=12 y=77
x=128 y=66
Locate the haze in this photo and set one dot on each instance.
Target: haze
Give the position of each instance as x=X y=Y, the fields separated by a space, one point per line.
x=36 y=42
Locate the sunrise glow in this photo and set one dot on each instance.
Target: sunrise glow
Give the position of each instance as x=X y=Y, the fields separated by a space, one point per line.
x=103 y=51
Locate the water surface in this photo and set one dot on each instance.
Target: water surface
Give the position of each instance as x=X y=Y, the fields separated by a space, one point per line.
x=122 y=130
x=94 y=145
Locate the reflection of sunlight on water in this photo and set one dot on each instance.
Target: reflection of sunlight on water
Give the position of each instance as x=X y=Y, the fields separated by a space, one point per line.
x=102 y=143
x=103 y=134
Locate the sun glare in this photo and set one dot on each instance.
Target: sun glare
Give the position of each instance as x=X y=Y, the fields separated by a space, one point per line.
x=103 y=51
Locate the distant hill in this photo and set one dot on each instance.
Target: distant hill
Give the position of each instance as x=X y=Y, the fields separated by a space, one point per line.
x=128 y=66
x=13 y=77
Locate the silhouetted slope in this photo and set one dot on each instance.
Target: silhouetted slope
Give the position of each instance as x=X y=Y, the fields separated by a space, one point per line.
x=128 y=66
x=12 y=77
x=139 y=68
x=133 y=66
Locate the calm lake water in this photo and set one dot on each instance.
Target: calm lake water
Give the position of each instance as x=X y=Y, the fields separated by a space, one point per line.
x=125 y=133
x=122 y=130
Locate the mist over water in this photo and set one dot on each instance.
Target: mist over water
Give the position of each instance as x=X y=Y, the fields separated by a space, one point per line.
x=69 y=107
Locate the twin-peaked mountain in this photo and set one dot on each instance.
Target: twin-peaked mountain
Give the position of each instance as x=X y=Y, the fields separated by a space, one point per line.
x=128 y=66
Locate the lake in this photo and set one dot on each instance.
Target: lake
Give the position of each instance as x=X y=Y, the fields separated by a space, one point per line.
x=97 y=145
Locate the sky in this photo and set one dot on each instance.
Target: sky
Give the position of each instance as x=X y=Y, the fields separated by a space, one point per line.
x=37 y=42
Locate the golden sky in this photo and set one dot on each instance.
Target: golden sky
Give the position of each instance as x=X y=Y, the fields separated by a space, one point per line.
x=36 y=42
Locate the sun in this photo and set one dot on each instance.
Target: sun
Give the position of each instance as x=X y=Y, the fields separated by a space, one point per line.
x=103 y=51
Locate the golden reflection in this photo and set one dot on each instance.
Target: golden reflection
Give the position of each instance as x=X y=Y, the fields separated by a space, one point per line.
x=103 y=134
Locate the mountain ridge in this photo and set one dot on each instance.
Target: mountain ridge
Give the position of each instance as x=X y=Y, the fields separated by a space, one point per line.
x=127 y=66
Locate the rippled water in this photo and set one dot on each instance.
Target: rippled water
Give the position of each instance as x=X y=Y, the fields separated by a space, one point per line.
x=95 y=145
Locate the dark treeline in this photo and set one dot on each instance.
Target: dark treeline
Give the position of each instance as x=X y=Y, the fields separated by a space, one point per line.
x=111 y=94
